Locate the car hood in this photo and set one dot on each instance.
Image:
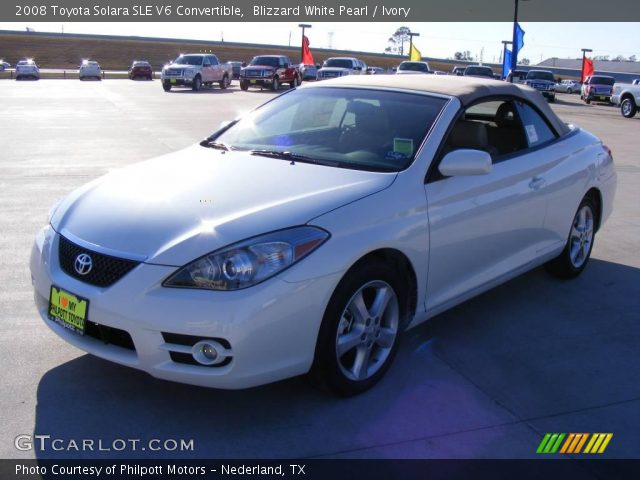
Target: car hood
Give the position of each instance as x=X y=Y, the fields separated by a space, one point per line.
x=175 y=208
x=334 y=69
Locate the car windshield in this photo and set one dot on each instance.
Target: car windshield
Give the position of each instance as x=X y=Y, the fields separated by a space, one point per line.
x=24 y=62
x=268 y=61
x=338 y=62
x=480 y=71
x=189 y=60
x=141 y=64
x=533 y=75
x=413 y=66
x=342 y=127
x=603 y=80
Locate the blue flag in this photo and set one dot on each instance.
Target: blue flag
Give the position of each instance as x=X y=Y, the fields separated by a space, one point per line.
x=519 y=39
x=506 y=63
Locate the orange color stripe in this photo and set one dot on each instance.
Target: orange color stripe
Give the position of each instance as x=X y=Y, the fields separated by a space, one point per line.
x=567 y=442
x=584 y=439
x=574 y=443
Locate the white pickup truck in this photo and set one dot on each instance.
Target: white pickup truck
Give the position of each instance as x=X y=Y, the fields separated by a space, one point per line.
x=194 y=70
x=627 y=97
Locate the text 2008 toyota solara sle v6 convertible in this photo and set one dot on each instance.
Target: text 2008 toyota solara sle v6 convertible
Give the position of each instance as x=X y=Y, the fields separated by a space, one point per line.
x=307 y=235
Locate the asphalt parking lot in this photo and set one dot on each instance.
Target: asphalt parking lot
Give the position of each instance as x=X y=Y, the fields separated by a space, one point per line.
x=486 y=379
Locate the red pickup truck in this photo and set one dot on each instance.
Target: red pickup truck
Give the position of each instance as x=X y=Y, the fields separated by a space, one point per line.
x=270 y=71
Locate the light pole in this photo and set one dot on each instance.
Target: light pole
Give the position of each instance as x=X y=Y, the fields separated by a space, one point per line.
x=302 y=26
x=514 y=52
x=411 y=35
x=584 y=56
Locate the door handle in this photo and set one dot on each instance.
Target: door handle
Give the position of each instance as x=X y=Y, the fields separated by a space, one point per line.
x=537 y=183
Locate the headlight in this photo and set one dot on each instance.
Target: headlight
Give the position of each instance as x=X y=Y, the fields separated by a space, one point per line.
x=249 y=262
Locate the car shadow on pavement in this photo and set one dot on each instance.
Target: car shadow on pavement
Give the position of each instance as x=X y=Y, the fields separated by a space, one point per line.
x=205 y=90
x=462 y=383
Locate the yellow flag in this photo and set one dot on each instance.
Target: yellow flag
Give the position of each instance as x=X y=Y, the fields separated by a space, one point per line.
x=414 y=54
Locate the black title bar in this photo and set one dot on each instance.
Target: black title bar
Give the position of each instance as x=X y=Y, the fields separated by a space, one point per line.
x=318 y=11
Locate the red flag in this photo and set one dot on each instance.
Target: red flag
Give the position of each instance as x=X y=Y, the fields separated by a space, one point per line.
x=587 y=69
x=307 y=58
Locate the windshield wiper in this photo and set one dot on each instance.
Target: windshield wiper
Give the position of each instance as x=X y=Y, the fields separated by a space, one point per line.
x=293 y=157
x=218 y=145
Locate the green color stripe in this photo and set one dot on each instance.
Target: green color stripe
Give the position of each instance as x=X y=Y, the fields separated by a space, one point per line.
x=555 y=448
x=543 y=443
x=552 y=440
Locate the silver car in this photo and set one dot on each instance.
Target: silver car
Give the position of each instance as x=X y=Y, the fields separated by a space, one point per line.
x=568 y=86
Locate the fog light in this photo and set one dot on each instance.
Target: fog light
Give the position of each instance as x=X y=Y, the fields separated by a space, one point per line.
x=207 y=352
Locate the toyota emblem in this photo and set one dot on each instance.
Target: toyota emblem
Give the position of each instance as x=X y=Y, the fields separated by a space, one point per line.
x=83 y=264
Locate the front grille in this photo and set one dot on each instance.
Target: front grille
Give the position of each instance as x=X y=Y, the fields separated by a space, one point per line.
x=329 y=74
x=106 y=270
x=255 y=73
x=109 y=335
x=174 y=72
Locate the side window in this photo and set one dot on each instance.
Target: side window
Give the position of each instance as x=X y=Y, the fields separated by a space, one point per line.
x=281 y=62
x=536 y=129
x=206 y=62
x=214 y=60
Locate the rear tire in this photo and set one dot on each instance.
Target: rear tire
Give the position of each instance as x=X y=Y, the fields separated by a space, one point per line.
x=361 y=329
x=275 y=85
x=577 y=251
x=628 y=108
x=224 y=83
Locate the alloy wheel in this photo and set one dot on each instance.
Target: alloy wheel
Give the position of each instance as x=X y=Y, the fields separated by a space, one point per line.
x=367 y=330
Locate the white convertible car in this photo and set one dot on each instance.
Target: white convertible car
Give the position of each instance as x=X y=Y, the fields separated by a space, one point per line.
x=309 y=234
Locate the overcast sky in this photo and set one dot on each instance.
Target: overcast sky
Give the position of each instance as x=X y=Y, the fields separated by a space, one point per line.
x=542 y=40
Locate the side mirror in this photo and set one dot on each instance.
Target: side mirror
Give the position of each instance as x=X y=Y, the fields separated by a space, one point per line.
x=357 y=68
x=465 y=162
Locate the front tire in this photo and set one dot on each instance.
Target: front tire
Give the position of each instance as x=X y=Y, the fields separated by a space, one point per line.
x=197 y=84
x=244 y=85
x=166 y=87
x=628 y=108
x=361 y=328
x=575 y=256
x=224 y=83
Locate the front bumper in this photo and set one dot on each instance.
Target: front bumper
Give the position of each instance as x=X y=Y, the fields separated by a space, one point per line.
x=615 y=99
x=548 y=93
x=270 y=329
x=257 y=81
x=177 y=81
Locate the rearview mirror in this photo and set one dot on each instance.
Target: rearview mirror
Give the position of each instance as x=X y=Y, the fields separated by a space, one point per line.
x=465 y=162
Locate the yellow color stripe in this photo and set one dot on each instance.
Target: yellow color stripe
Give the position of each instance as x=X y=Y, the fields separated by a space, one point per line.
x=590 y=444
x=599 y=440
x=567 y=442
x=584 y=439
x=608 y=438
